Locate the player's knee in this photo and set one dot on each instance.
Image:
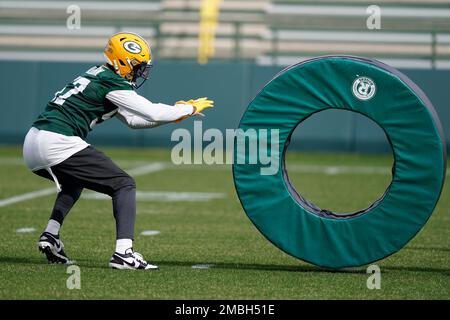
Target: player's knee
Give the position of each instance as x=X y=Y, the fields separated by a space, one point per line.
x=126 y=182
x=131 y=182
x=119 y=184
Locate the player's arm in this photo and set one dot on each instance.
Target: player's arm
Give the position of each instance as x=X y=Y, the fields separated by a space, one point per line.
x=129 y=102
x=134 y=121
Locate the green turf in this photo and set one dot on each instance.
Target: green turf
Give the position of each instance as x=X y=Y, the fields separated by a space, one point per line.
x=217 y=232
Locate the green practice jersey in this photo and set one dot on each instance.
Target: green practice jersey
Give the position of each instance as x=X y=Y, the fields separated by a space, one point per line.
x=79 y=106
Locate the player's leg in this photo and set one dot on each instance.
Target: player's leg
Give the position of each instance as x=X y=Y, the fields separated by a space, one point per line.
x=49 y=242
x=65 y=200
x=93 y=170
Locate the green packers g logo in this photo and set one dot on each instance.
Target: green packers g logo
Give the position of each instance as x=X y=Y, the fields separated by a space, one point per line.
x=132 y=47
x=363 y=88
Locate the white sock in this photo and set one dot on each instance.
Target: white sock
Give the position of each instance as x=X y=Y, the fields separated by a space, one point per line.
x=123 y=244
x=53 y=227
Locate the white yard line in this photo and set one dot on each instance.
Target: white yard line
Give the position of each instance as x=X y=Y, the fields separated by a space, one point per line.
x=27 y=196
x=158 y=166
x=25 y=230
x=139 y=171
x=333 y=170
x=150 y=233
x=305 y=168
x=146 y=169
x=164 y=196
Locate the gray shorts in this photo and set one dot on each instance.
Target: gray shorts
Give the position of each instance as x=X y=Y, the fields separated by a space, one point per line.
x=90 y=169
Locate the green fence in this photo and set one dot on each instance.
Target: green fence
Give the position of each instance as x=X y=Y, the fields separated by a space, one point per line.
x=27 y=86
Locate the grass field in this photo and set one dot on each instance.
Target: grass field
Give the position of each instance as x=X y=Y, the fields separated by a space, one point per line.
x=215 y=231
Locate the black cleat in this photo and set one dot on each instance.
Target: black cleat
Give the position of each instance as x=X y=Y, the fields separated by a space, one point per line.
x=53 y=248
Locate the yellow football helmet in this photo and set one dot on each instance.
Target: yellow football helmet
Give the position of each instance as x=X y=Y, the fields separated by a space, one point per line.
x=130 y=56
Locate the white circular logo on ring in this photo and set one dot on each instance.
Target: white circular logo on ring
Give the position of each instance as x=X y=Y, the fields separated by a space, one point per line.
x=364 y=88
x=132 y=47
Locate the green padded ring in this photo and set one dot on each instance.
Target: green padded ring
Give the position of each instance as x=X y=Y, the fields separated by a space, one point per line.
x=412 y=127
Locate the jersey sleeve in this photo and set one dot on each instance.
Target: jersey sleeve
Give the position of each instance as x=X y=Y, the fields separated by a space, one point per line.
x=135 y=122
x=137 y=105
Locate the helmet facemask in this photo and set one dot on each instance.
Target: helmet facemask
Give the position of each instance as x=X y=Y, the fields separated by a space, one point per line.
x=141 y=73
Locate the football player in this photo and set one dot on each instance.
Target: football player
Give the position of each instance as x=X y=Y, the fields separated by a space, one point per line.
x=54 y=147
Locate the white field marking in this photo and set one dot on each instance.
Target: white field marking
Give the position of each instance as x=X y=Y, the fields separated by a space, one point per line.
x=25 y=230
x=149 y=168
x=131 y=163
x=158 y=166
x=165 y=196
x=203 y=266
x=143 y=165
x=306 y=168
x=330 y=170
x=333 y=170
x=139 y=171
x=150 y=232
x=27 y=196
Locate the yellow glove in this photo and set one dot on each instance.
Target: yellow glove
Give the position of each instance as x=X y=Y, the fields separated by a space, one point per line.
x=199 y=104
x=185 y=102
x=202 y=103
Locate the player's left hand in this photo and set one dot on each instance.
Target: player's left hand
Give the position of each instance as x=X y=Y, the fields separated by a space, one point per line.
x=200 y=104
x=185 y=102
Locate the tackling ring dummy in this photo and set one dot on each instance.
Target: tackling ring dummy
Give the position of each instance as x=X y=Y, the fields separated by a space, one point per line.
x=412 y=128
